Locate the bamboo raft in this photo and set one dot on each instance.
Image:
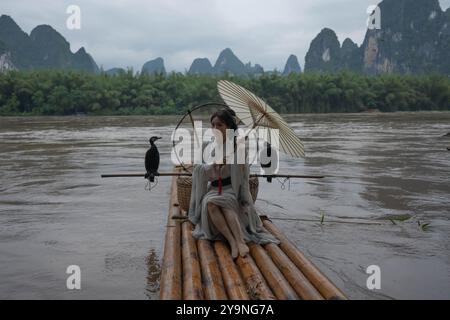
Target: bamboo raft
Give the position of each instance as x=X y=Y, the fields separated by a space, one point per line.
x=203 y=270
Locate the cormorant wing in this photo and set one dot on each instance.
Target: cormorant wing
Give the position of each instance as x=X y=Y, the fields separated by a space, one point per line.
x=148 y=161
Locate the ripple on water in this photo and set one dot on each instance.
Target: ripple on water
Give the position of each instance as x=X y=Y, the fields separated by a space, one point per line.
x=55 y=210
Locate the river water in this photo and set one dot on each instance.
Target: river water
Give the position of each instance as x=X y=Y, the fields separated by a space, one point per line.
x=387 y=176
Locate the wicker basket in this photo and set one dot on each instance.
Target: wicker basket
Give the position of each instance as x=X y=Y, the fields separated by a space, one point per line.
x=184 y=187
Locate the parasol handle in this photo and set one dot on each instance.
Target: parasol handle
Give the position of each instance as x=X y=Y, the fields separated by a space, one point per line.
x=193 y=126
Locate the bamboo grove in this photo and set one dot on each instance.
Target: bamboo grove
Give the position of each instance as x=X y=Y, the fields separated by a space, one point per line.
x=49 y=92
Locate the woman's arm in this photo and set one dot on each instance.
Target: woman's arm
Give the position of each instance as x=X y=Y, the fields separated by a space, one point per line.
x=246 y=197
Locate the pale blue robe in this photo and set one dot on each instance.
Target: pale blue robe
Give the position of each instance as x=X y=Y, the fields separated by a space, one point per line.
x=236 y=196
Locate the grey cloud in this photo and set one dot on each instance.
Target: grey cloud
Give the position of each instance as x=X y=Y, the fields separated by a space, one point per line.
x=122 y=33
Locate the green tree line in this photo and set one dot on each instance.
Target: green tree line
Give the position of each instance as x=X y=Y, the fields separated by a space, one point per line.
x=68 y=93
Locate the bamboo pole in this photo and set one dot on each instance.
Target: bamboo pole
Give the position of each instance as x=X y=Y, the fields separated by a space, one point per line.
x=142 y=175
x=279 y=285
x=192 y=278
x=232 y=279
x=186 y=174
x=328 y=290
x=297 y=280
x=257 y=286
x=212 y=278
x=170 y=284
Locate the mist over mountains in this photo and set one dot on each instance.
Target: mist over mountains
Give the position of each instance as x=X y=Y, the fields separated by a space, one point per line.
x=414 y=38
x=45 y=48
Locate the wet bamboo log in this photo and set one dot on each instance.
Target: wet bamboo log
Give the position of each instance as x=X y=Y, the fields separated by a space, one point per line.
x=213 y=286
x=257 y=287
x=199 y=269
x=279 y=285
x=192 y=277
x=295 y=277
x=170 y=283
x=232 y=280
x=327 y=289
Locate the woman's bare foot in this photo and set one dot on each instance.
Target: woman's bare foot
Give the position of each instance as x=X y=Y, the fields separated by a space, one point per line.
x=243 y=249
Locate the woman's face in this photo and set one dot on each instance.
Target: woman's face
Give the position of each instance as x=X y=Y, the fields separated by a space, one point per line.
x=217 y=124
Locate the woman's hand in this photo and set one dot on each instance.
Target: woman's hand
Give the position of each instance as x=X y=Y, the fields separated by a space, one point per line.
x=241 y=139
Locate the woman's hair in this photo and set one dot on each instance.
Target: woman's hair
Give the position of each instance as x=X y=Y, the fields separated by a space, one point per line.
x=227 y=116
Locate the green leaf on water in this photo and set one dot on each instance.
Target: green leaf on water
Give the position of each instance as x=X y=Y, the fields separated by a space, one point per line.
x=424 y=226
x=396 y=218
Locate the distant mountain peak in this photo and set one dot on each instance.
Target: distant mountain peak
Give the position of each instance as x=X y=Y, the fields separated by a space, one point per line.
x=327 y=32
x=229 y=62
x=115 y=71
x=292 y=65
x=155 y=66
x=227 y=51
x=414 y=39
x=47 y=36
x=201 y=66
x=84 y=61
x=43 y=28
x=44 y=48
x=348 y=43
x=6 y=20
x=10 y=31
x=82 y=50
x=324 y=52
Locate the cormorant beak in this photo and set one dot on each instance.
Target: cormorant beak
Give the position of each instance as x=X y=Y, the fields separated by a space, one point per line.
x=158 y=138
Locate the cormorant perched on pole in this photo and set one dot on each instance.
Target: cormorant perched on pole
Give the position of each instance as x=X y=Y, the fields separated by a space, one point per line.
x=269 y=162
x=152 y=160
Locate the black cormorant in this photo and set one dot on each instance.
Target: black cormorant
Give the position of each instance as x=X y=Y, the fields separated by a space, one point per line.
x=269 y=162
x=152 y=160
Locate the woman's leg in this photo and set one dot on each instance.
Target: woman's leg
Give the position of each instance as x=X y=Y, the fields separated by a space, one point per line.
x=217 y=218
x=235 y=227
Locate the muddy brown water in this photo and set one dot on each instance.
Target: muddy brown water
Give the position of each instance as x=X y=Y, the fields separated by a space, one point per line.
x=386 y=174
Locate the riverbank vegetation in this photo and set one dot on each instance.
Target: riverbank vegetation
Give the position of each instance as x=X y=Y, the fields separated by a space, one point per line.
x=68 y=93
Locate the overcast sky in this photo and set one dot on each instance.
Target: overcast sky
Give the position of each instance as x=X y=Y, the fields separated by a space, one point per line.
x=121 y=33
